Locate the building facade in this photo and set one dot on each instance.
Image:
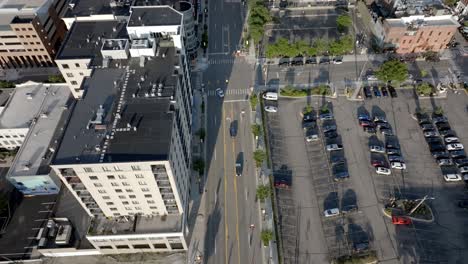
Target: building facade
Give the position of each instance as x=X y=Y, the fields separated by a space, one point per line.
x=30 y=35
x=417 y=34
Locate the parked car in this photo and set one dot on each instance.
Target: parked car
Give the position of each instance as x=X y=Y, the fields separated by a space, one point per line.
x=434 y=140
x=271 y=109
x=431 y=133
x=326 y=116
x=311 y=60
x=384 y=91
x=382 y=125
x=461 y=162
x=395 y=158
x=338 y=60
x=392 y=91
x=233 y=128
x=378 y=163
x=383 y=171
x=427 y=127
x=393 y=151
x=391 y=144
x=451 y=140
x=308 y=125
x=378 y=118
x=220 y=92
x=447 y=133
x=378 y=149
x=324 y=60
x=370 y=130
x=398 y=165
x=376 y=91
x=282 y=182
x=283 y=61
x=342 y=175
x=337 y=159
x=271 y=96
x=386 y=131
x=331 y=212
x=349 y=208
x=444 y=162
x=365 y=123
x=364 y=117
x=440 y=154
x=401 y=220
x=333 y=147
x=452 y=177
x=311 y=135
x=329 y=128
x=330 y=134
x=463 y=169
x=443 y=127
x=434 y=147
x=454 y=146
x=297 y=61
x=439 y=119
x=372 y=77
x=367 y=92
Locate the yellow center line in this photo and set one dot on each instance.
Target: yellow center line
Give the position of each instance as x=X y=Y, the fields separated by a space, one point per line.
x=235 y=191
x=225 y=188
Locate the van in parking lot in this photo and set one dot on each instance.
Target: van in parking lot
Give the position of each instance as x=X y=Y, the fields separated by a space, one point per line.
x=270 y=96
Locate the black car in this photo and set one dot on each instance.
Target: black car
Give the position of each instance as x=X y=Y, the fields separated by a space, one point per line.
x=395 y=158
x=367 y=92
x=392 y=91
x=297 y=61
x=457 y=154
x=311 y=60
x=434 y=140
x=426 y=127
x=337 y=159
x=233 y=128
x=330 y=134
x=424 y=121
x=360 y=247
x=440 y=154
x=370 y=130
x=349 y=208
x=435 y=147
x=324 y=60
x=443 y=126
x=283 y=61
x=239 y=164
x=309 y=124
x=383 y=125
x=282 y=182
x=393 y=151
x=447 y=133
x=342 y=175
x=308 y=118
x=391 y=145
x=463 y=204
x=386 y=131
x=460 y=162
x=384 y=91
x=376 y=91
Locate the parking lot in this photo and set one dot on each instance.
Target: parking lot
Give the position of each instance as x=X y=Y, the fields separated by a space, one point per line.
x=307 y=233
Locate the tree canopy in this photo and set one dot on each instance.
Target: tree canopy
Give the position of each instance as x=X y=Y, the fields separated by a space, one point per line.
x=343 y=22
x=393 y=71
x=259 y=16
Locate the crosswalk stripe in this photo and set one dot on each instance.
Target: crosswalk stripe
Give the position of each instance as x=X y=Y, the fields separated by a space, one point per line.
x=230 y=92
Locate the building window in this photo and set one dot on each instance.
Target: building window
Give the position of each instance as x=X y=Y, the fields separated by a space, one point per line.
x=93 y=177
x=88 y=170
x=101 y=191
x=118 y=190
x=74 y=83
x=105 y=169
x=110 y=177
x=114 y=184
x=128 y=208
x=109 y=203
x=122 y=197
x=142 y=182
x=145 y=190
x=430 y=34
x=125 y=184
x=122 y=177
x=69 y=74
x=142 y=246
x=139 y=176
x=81 y=73
x=135 y=202
x=113 y=209
x=125 y=202
x=151 y=202
x=136 y=167
x=153 y=207
x=129 y=190
x=106 y=197
x=117 y=168
x=148 y=196
x=137 y=208
x=97 y=185
x=77 y=65
x=65 y=66
x=132 y=196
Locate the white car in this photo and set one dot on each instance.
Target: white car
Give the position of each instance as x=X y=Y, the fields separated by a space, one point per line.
x=398 y=165
x=383 y=171
x=331 y=212
x=455 y=146
x=431 y=134
x=220 y=92
x=271 y=109
x=312 y=138
x=377 y=149
x=452 y=177
x=372 y=78
x=464 y=169
x=451 y=140
x=332 y=147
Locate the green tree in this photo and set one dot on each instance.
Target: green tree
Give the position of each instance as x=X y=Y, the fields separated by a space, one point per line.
x=263 y=192
x=259 y=157
x=342 y=46
x=259 y=16
x=424 y=89
x=392 y=70
x=438 y=111
x=320 y=46
x=302 y=47
x=450 y=2
x=423 y=73
x=253 y=101
x=266 y=236
x=343 y=22
x=307 y=110
x=7 y=84
x=199 y=165
x=325 y=109
x=256 y=130
x=55 y=79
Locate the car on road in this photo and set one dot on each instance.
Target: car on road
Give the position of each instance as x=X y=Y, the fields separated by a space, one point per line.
x=440 y=154
x=386 y=131
x=378 y=149
x=444 y=162
x=451 y=140
x=461 y=162
x=398 y=165
x=452 y=177
x=370 y=130
x=239 y=164
x=220 y=92
x=395 y=158
x=454 y=146
x=311 y=60
x=332 y=147
x=330 y=134
x=431 y=133
x=393 y=151
x=384 y=91
x=326 y=116
x=233 y=128
x=271 y=109
x=367 y=92
x=383 y=171
x=401 y=220
x=365 y=123
x=392 y=92
x=270 y=96
x=329 y=128
x=376 y=91
x=331 y=212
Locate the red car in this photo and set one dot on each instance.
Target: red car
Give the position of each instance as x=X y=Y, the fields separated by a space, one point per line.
x=378 y=163
x=401 y=220
x=365 y=123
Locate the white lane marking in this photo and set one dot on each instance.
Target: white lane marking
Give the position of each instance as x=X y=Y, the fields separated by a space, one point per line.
x=215 y=154
x=246 y=194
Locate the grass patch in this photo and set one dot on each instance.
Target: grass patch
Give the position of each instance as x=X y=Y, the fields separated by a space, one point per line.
x=371 y=257
x=297 y=92
x=253 y=101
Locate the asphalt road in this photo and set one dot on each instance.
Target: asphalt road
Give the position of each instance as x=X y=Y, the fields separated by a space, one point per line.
x=231 y=205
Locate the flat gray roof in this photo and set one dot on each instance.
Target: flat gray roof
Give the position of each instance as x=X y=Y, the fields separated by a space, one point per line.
x=154 y=16
x=83 y=8
x=135 y=123
x=85 y=38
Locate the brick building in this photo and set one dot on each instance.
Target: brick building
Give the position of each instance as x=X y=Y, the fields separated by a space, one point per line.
x=416 y=34
x=31 y=31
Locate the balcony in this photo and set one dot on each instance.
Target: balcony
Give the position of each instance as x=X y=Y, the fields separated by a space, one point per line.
x=68 y=172
x=161 y=177
x=78 y=187
x=168 y=196
x=83 y=194
x=72 y=179
x=164 y=185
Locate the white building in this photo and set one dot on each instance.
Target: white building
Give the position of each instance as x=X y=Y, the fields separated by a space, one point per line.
x=35 y=115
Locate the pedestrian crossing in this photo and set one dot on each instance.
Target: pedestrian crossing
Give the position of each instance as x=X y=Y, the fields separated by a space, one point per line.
x=222 y=61
x=230 y=92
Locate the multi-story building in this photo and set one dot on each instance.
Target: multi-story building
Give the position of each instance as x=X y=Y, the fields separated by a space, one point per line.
x=31 y=31
x=32 y=121
x=125 y=154
x=462 y=8
x=416 y=34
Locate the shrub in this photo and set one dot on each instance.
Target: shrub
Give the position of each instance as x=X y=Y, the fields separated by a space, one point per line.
x=7 y=84
x=253 y=101
x=256 y=130
x=55 y=79
x=424 y=89
x=321 y=90
x=266 y=236
x=259 y=157
x=263 y=192
x=307 y=110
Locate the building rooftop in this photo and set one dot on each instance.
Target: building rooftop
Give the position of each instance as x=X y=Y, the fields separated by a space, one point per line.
x=19 y=5
x=85 y=38
x=83 y=8
x=422 y=21
x=154 y=16
x=136 y=225
x=48 y=109
x=126 y=114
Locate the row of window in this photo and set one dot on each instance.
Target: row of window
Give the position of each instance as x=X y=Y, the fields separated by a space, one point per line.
x=116 y=184
x=66 y=66
x=102 y=191
x=116 y=168
x=13 y=136
x=145 y=246
x=24 y=29
x=69 y=74
x=12 y=142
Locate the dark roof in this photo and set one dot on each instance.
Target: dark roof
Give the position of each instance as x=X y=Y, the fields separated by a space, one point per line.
x=84 y=39
x=144 y=123
x=176 y=4
x=97 y=7
x=154 y=16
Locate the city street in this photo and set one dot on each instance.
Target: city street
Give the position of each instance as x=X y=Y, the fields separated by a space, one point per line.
x=233 y=228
